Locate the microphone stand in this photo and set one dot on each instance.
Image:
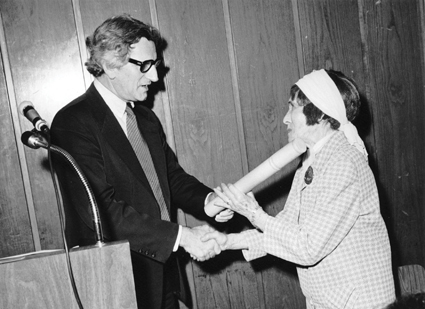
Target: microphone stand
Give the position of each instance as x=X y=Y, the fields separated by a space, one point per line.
x=34 y=139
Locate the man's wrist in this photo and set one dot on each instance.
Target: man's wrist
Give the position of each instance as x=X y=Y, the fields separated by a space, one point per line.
x=184 y=235
x=179 y=236
x=208 y=198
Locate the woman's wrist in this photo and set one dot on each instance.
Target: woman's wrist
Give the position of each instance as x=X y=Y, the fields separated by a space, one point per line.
x=258 y=219
x=247 y=210
x=236 y=241
x=252 y=215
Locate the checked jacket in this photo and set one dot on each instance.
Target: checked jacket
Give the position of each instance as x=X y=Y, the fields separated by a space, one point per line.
x=333 y=230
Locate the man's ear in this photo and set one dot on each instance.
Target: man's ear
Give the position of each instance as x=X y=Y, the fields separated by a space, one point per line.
x=111 y=73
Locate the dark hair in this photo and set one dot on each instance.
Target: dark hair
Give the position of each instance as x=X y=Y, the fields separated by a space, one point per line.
x=110 y=44
x=350 y=95
x=410 y=301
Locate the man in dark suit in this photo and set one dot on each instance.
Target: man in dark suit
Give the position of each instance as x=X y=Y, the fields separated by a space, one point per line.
x=105 y=131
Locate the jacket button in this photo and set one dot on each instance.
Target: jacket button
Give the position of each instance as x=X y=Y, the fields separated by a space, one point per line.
x=153 y=255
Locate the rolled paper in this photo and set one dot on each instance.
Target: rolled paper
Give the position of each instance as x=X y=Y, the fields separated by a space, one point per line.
x=269 y=167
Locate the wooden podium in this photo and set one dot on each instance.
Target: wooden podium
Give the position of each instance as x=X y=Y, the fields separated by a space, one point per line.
x=103 y=277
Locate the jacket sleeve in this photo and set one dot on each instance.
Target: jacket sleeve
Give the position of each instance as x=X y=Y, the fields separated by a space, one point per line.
x=186 y=191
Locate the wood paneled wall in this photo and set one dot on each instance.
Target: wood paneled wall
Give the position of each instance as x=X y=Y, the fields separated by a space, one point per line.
x=231 y=64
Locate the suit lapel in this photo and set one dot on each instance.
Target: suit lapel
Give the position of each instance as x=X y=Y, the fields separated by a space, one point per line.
x=113 y=134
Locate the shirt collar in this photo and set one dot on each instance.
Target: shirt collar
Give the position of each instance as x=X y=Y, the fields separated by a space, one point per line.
x=116 y=105
x=316 y=149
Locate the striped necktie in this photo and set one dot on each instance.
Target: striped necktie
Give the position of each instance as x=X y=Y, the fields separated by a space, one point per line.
x=142 y=152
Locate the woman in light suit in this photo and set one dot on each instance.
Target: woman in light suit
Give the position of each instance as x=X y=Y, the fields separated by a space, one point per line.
x=331 y=225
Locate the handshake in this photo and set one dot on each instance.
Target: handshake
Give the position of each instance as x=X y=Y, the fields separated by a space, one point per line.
x=203 y=242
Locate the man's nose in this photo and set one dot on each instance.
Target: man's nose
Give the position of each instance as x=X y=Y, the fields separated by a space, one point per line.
x=152 y=74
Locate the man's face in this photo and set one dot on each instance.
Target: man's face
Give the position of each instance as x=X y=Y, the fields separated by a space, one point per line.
x=297 y=122
x=128 y=82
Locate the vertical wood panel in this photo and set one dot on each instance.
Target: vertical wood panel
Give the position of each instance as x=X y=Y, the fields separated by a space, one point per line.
x=15 y=226
x=93 y=13
x=393 y=36
x=199 y=86
x=412 y=279
x=266 y=56
x=41 y=44
x=235 y=84
x=332 y=39
x=267 y=66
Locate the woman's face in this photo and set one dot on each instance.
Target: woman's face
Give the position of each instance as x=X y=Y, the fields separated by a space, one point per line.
x=297 y=122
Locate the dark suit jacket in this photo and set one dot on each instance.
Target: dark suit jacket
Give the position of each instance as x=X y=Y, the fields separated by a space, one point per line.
x=88 y=130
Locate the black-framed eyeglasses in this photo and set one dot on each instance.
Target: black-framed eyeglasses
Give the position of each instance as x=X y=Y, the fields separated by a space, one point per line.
x=145 y=65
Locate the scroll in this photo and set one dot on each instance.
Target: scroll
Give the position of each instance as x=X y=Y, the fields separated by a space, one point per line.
x=266 y=169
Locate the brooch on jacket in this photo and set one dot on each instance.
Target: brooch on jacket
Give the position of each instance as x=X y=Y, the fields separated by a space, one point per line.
x=308 y=177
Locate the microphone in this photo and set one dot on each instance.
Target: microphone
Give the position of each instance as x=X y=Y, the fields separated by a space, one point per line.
x=34 y=140
x=269 y=167
x=26 y=108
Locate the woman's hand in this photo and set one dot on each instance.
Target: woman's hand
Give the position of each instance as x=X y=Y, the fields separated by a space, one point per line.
x=236 y=200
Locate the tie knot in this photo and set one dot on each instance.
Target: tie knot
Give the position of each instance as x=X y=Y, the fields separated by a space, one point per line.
x=129 y=109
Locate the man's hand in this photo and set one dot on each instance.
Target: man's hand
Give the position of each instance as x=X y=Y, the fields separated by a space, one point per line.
x=198 y=249
x=224 y=215
x=236 y=241
x=220 y=238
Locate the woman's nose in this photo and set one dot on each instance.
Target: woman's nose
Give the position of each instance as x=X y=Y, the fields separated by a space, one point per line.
x=287 y=118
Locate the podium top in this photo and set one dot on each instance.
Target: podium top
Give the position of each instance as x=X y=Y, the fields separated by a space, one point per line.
x=44 y=253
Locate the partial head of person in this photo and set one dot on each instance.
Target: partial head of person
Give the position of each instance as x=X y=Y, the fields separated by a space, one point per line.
x=123 y=56
x=320 y=103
